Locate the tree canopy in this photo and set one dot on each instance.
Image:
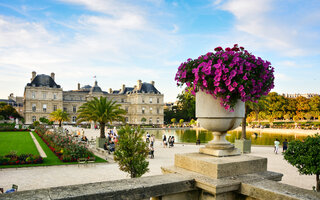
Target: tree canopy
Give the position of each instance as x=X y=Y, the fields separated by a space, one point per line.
x=305 y=156
x=132 y=151
x=7 y=111
x=101 y=110
x=59 y=116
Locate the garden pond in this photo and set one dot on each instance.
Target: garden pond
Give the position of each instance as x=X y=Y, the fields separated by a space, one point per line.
x=257 y=137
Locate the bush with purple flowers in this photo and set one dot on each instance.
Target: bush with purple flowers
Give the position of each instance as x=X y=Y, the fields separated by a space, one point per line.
x=229 y=74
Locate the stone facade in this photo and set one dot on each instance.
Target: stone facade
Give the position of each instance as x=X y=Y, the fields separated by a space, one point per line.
x=307 y=95
x=143 y=103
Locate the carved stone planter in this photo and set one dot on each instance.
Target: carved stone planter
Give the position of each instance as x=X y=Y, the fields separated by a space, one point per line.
x=213 y=117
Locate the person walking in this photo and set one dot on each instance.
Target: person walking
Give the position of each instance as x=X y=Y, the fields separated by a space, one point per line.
x=164 y=140
x=284 y=145
x=276 y=146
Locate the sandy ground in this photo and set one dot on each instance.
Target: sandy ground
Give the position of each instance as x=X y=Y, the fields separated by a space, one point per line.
x=52 y=176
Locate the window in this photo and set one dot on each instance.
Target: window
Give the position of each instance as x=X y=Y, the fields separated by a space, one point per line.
x=150 y=120
x=54 y=107
x=122 y=100
x=127 y=119
x=158 y=100
x=150 y=110
x=80 y=98
x=44 y=95
x=74 y=109
x=127 y=109
x=150 y=100
x=74 y=119
x=142 y=100
x=158 y=120
x=44 y=107
x=142 y=110
x=158 y=111
x=34 y=108
x=65 y=109
x=33 y=95
x=34 y=118
x=54 y=96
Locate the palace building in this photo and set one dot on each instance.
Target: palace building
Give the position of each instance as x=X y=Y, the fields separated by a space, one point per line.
x=143 y=102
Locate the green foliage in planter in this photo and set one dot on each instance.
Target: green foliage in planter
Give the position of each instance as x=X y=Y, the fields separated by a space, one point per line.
x=305 y=156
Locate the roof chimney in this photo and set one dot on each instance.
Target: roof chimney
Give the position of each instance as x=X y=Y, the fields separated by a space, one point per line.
x=139 y=84
x=33 y=75
x=78 y=86
x=123 y=87
x=152 y=83
x=110 y=90
x=52 y=75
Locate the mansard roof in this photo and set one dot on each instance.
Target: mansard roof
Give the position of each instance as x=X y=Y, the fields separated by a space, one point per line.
x=127 y=90
x=43 y=80
x=146 y=88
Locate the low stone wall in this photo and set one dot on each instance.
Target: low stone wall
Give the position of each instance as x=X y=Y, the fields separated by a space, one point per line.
x=185 y=185
x=127 y=189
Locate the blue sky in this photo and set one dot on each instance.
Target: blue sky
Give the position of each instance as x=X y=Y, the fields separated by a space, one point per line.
x=123 y=41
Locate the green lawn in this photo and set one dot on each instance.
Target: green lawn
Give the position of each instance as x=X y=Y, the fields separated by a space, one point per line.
x=20 y=142
x=51 y=159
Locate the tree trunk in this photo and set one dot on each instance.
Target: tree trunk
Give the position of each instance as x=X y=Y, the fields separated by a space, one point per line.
x=60 y=122
x=243 y=134
x=318 y=183
x=102 y=134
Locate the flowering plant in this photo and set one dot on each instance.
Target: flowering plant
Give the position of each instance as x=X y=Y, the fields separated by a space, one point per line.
x=231 y=74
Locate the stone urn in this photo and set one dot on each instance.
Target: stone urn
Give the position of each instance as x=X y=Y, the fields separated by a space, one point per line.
x=213 y=117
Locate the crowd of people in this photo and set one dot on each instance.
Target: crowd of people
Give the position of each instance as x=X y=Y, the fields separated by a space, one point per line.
x=112 y=140
x=169 y=141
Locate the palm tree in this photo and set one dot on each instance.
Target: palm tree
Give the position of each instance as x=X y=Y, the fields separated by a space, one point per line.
x=59 y=116
x=101 y=111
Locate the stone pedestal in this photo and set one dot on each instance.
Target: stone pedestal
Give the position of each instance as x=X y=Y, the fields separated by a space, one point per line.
x=220 y=167
x=221 y=177
x=243 y=145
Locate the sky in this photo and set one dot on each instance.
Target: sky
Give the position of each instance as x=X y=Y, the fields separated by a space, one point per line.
x=122 y=41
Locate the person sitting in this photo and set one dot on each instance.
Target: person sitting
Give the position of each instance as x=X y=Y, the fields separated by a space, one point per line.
x=198 y=142
x=105 y=146
x=84 y=139
x=111 y=147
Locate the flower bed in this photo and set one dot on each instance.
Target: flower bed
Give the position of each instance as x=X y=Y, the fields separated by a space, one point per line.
x=14 y=159
x=63 y=146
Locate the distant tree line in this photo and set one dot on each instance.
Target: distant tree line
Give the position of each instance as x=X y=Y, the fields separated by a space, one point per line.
x=271 y=107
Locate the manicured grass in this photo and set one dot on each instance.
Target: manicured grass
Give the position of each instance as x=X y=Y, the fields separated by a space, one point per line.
x=20 y=142
x=51 y=159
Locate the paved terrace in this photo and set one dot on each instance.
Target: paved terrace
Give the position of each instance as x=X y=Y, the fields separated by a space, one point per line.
x=53 y=176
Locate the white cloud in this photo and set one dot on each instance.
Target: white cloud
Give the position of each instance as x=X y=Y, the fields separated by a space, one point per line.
x=111 y=46
x=266 y=28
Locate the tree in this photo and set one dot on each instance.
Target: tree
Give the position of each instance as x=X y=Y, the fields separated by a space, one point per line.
x=181 y=121
x=8 y=111
x=305 y=156
x=44 y=120
x=143 y=120
x=102 y=111
x=59 y=116
x=132 y=151
x=173 y=120
x=186 y=105
x=192 y=122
